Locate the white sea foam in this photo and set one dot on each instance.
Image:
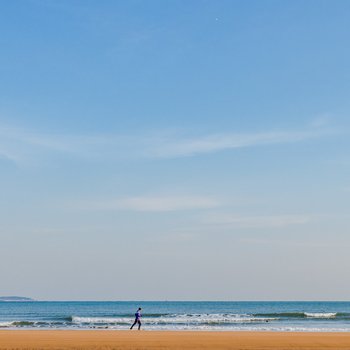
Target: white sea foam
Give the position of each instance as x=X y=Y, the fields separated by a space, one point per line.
x=97 y=320
x=6 y=324
x=196 y=319
x=321 y=314
x=238 y=328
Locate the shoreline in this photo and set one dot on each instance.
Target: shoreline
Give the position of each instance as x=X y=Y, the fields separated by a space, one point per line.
x=170 y=340
x=219 y=331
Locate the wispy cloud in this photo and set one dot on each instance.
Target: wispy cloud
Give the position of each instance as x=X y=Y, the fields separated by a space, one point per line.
x=7 y=156
x=295 y=242
x=321 y=121
x=21 y=146
x=25 y=146
x=220 y=142
x=262 y=221
x=151 y=203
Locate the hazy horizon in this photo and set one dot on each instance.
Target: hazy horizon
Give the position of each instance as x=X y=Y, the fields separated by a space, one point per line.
x=173 y=301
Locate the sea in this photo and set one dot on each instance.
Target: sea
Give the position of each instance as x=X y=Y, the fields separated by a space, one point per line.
x=317 y=316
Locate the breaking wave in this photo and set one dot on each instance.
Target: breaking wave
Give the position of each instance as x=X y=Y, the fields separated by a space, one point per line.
x=194 y=319
x=292 y=315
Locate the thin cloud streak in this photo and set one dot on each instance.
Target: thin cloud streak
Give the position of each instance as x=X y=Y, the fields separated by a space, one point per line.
x=295 y=243
x=221 y=142
x=262 y=221
x=151 y=204
x=21 y=146
x=4 y=155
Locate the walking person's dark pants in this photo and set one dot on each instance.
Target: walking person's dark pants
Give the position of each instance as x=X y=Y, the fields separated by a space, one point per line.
x=137 y=320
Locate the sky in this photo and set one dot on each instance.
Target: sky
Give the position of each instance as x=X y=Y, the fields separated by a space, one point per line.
x=175 y=150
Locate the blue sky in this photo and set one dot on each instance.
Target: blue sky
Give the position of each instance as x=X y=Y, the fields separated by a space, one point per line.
x=174 y=150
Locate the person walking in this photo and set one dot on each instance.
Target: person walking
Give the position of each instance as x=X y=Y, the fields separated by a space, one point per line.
x=137 y=318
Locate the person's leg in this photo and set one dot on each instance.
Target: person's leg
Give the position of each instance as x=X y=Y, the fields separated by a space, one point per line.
x=139 y=322
x=133 y=324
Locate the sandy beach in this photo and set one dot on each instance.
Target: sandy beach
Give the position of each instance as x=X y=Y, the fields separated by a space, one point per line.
x=147 y=340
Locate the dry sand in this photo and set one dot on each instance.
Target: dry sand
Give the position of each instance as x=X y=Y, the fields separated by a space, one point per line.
x=147 y=340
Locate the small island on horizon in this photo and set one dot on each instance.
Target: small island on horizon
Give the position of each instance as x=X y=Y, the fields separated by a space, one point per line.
x=15 y=298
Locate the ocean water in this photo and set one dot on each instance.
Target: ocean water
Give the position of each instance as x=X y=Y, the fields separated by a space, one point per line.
x=163 y=315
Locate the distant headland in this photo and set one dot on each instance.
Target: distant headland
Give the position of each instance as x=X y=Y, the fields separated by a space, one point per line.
x=15 y=298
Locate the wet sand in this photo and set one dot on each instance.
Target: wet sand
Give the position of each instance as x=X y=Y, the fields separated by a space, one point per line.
x=153 y=340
